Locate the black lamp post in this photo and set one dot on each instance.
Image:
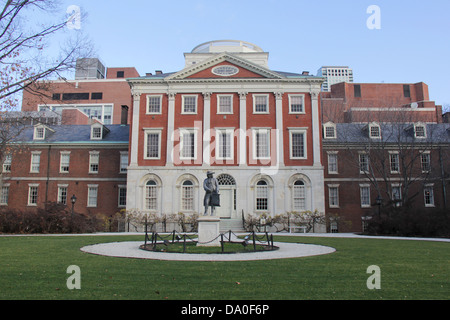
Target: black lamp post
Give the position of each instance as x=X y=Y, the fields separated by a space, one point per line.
x=73 y=200
x=379 y=201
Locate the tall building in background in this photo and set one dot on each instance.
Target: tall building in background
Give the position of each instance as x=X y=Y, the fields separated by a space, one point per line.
x=334 y=74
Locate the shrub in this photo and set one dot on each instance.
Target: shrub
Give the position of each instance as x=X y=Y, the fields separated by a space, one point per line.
x=52 y=220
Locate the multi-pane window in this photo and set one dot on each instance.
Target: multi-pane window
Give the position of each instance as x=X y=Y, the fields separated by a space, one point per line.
x=261 y=143
x=425 y=161
x=260 y=103
x=96 y=133
x=224 y=147
x=189 y=104
x=299 y=196
x=394 y=162
x=333 y=196
x=35 y=162
x=151 y=199
x=39 y=133
x=296 y=104
x=62 y=194
x=375 y=131
x=188 y=144
x=428 y=195
x=92 y=195
x=32 y=195
x=152 y=144
x=154 y=104
x=4 y=195
x=330 y=131
x=123 y=162
x=94 y=158
x=262 y=195
x=365 y=195
x=419 y=131
x=187 y=196
x=332 y=162
x=7 y=163
x=64 y=162
x=363 y=163
x=224 y=104
x=122 y=202
x=298 y=142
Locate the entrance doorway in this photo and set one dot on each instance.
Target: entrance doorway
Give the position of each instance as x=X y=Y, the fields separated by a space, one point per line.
x=227 y=186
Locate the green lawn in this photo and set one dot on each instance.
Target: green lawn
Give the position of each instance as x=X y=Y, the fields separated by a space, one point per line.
x=35 y=268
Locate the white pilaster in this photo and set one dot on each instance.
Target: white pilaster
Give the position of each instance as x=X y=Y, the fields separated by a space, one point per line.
x=242 y=128
x=170 y=129
x=207 y=128
x=315 y=126
x=279 y=124
x=135 y=130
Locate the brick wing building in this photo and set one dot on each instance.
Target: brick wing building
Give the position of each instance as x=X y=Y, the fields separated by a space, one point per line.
x=226 y=111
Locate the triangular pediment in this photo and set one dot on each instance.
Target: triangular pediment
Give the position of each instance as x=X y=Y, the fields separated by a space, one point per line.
x=223 y=66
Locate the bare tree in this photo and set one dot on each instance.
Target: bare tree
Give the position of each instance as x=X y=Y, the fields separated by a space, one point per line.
x=24 y=59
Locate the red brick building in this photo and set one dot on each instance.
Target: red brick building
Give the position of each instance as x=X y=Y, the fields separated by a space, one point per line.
x=50 y=163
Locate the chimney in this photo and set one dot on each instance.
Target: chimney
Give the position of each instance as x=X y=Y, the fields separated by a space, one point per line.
x=148 y=74
x=158 y=72
x=305 y=73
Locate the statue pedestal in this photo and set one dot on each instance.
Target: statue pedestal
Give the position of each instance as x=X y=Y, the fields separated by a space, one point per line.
x=208 y=231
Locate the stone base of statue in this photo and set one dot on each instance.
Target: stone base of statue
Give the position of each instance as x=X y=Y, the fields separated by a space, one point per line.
x=208 y=231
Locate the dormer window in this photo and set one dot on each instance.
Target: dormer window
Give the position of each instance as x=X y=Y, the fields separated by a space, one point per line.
x=374 y=130
x=98 y=131
x=420 y=131
x=40 y=132
x=329 y=130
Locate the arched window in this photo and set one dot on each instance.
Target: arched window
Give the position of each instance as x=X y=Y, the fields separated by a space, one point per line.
x=299 y=196
x=262 y=196
x=187 y=196
x=151 y=195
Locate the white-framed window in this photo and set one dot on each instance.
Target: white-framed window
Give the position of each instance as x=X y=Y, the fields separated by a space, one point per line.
x=154 y=103
x=329 y=130
x=296 y=103
x=94 y=159
x=152 y=144
x=7 y=163
x=224 y=104
x=425 y=161
x=364 y=190
x=35 y=161
x=374 y=131
x=397 y=194
x=420 y=131
x=151 y=195
x=299 y=196
x=4 y=195
x=333 y=195
x=189 y=105
x=297 y=143
x=428 y=195
x=261 y=143
x=363 y=162
x=33 y=194
x=224 y=143
x=187 y=196
x=39 y=133
x=62 y=193
x=262 y=196
x=394 y=161
x=92 y=195
x=188 y=144
x=332 y=162
x=260 y=103
x=122 y=200
x=64 y=161
x=123 y=162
